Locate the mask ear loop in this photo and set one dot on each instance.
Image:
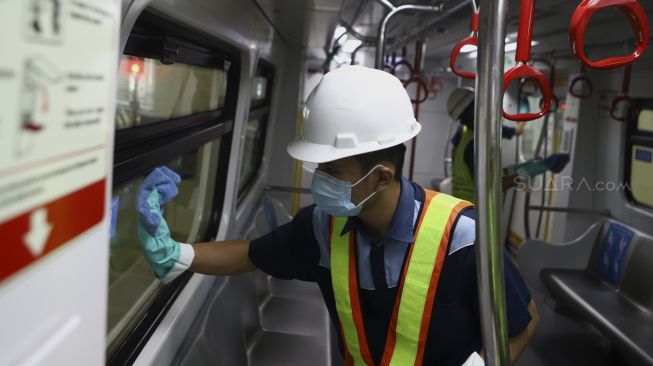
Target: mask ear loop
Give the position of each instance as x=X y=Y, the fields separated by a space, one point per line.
x=365 y=176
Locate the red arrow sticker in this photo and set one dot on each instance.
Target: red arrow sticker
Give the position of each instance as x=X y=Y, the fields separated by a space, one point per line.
x=34 y=234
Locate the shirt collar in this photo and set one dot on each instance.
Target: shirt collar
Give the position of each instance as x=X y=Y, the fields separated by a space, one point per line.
x=401 y=225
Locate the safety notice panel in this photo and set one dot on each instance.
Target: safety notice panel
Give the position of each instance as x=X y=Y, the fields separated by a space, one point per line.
x=57 y=85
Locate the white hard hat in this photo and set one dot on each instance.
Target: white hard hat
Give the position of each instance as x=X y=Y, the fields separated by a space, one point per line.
x=354 y=110
x=459 y=100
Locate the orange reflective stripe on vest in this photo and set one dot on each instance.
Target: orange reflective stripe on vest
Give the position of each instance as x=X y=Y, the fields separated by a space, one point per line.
x=411 y=317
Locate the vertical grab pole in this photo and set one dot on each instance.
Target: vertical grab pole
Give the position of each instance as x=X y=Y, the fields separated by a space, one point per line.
x=487 y=137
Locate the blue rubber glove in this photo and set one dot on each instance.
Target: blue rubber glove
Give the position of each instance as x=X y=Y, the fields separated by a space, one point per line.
x=167 y=257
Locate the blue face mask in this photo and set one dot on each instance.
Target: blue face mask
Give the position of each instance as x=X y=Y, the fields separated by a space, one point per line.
x=334 y=195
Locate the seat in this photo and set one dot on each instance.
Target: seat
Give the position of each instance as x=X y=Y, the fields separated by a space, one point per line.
x=626 y=323
x=603 y=277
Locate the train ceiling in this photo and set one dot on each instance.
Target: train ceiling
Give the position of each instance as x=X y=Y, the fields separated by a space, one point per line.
x=311 y=24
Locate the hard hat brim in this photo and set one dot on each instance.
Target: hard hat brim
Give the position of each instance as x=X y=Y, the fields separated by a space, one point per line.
x=301 y=149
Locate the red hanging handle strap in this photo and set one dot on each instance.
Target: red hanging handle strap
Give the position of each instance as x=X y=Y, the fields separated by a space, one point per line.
x=624 y=98
x=631 y=9
x=472 y=40
x=422 y=88
x=527 y=71
x=523 y=70
x=525 y=32
x=583 y=80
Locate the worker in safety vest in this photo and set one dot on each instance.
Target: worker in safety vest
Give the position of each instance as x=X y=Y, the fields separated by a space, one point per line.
x=460 y=106
x=395 y=263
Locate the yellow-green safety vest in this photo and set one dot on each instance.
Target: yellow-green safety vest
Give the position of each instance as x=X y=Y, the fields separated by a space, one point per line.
x=408 y=328
x=461 y=181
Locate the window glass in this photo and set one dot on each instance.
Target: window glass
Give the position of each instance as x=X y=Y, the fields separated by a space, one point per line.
x=252 y=151
x=641 y=174
x=132 y=284
x=645 y=120
x=533 y=129
x=149 y=91
x=260 y=88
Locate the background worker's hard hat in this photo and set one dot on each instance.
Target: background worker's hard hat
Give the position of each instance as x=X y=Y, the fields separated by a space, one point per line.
x=459 y=100
x=354 y=110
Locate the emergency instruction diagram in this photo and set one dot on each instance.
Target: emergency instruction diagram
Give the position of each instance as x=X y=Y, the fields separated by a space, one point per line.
x=57 y=86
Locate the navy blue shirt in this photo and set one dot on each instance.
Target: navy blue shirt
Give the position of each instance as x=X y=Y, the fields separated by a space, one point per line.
x=299 y=250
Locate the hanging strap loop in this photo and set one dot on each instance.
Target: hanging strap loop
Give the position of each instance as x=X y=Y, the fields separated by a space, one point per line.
x=523 y=69
x=623 y=99
x=472 y=40
x=422 y=87
x=631 y=9
x=581 y=79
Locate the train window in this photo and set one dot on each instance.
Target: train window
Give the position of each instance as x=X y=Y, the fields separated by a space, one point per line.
x=253 y=150
x=639 y=155
x=132 y=284
x=174 y=109
x=641 y=174
x=532 y=134
x=259 y=91
x=645 y=120
x=150 y=91
x=256 y=128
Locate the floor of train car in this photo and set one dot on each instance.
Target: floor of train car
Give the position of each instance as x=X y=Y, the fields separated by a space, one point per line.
x=561 y=340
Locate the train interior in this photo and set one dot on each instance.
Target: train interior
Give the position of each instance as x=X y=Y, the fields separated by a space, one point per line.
x=214 y=90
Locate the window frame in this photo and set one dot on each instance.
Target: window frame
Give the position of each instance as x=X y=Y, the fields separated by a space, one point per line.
x=258 y=109
x=635 y=136
x=141 y=148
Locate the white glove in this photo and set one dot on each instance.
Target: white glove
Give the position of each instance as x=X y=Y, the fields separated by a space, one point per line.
x=474 y=360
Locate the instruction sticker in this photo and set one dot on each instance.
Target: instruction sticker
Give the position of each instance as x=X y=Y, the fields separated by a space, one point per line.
x=644 y=155
x=613 y=252
x=56 y=110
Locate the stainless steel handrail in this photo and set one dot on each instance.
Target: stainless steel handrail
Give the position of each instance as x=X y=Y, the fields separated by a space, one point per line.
x=447 y=11
x=287 y=189
x=573 y=210
x=487 y=137
x=380 y=43
x=353 y=32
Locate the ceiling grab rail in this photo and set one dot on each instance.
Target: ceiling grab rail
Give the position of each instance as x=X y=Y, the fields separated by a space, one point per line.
x=623 y=98
x=471 y=40
x=583 y=80
x=487 y=165
x=394 y=10
x=523 y=69
x=631 y=9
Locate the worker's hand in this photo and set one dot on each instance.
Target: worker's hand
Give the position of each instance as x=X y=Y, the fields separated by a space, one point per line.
x=531 y=168
x=167 y=257
x=537 y=166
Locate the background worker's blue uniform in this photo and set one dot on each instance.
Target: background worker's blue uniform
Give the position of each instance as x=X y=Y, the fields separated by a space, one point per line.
x=300 y=250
